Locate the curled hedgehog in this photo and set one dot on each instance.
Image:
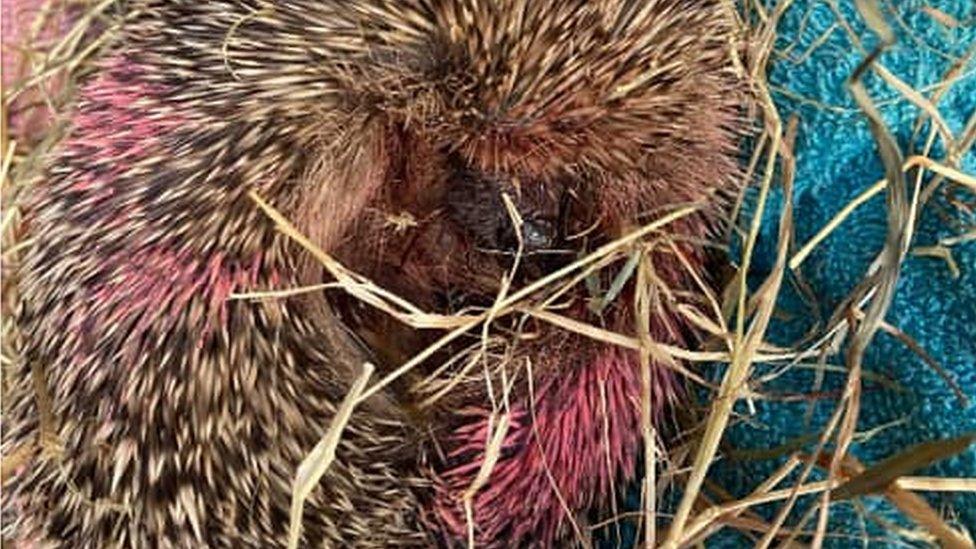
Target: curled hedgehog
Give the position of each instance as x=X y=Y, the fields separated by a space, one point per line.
x=510 y=138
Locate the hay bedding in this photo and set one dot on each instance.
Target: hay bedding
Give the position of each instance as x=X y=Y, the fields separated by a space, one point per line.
x=919 y=371
x=850 y=362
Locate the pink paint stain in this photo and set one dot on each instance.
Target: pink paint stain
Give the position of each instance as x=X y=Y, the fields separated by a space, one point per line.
x=120 y=122
x=584 y=438
x=158 y=284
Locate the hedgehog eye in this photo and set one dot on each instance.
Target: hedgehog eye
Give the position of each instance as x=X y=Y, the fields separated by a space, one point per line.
x=538 y=234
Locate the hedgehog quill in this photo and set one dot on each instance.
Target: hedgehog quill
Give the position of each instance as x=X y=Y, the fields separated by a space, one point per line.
x=450 y=151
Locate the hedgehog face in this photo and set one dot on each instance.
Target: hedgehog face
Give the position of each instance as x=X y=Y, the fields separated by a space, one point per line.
x=480 y=203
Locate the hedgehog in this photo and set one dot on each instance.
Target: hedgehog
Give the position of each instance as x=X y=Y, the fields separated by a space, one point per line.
x=512 y=136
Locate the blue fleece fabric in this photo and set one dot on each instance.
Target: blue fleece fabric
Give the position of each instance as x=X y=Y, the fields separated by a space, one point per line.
x=836 y=160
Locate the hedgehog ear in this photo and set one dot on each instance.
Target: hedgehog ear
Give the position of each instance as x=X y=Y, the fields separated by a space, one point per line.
x=344 y=178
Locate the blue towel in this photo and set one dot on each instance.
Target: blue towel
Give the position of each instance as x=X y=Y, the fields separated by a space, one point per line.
x=837 y=159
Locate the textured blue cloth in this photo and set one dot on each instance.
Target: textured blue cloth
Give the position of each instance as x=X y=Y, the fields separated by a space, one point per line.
x=836 y=160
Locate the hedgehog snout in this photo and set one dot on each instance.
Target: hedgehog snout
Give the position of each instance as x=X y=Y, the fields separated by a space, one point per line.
x=479 y=203
x=532 y=231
